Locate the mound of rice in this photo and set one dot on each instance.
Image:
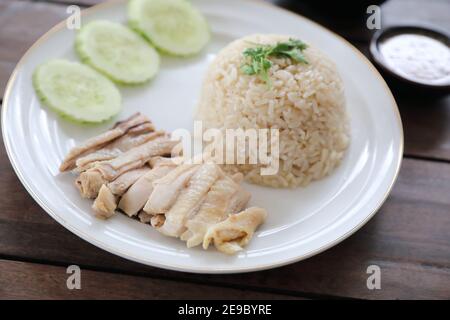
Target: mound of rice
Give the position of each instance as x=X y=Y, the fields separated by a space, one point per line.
x=305 y=102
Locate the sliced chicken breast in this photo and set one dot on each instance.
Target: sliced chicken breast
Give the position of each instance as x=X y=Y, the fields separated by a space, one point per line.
x=105 y=204
x=157 y=220
x=190 y=199
x=129 y=168
x=232 y=234
x=238 y=201
x=136 y=157
x=167 y=189
x=144 y=217
x=115 y=148
x=101 y=140
x=89 y=161
x=212 y=210
x=164 y=161
x=137 y=195
x=119 y=186
x=90 y=181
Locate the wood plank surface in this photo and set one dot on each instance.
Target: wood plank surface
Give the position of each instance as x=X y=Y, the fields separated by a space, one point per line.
x=426 y=126
x=39 y=281
x=408 y=238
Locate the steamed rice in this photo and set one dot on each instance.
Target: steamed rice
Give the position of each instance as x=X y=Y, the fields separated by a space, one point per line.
x=305 y=102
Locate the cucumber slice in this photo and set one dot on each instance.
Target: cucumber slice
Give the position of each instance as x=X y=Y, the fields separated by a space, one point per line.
x=173 y=26
x=76 y=91
x=117 y=52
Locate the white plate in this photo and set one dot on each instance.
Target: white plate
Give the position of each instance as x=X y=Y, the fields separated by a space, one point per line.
x=301 y=222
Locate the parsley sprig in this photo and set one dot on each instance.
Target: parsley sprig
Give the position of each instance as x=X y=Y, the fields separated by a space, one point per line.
x=257 y=58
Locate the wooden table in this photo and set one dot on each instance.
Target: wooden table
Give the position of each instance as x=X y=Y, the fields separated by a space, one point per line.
x=409 y=238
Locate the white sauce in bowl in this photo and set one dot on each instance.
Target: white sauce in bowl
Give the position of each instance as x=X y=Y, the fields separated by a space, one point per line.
x=418 y=58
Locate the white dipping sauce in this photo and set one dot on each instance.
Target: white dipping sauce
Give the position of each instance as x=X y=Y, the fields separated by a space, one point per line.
x=418 y=58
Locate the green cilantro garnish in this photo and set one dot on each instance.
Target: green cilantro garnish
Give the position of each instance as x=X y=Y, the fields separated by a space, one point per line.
x=258 y=62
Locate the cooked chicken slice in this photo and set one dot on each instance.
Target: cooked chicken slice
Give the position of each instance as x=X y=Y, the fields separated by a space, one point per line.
x=101 y=140
x=115 y=148
x=137 y=195
x=127 y=168
x=190 y=199
x=124 y=181
x=231 y=235
x=238 y=201
x=89 y=161
x=157 y=220
x=90 y=181
x=105 y=204
x=237 y=177
x=212 y=210
x=167 y=189
x=164 y=161
x=146 y=127
x=133 y=121
x=145 y=217
x=136 y=157
x=135 y=137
